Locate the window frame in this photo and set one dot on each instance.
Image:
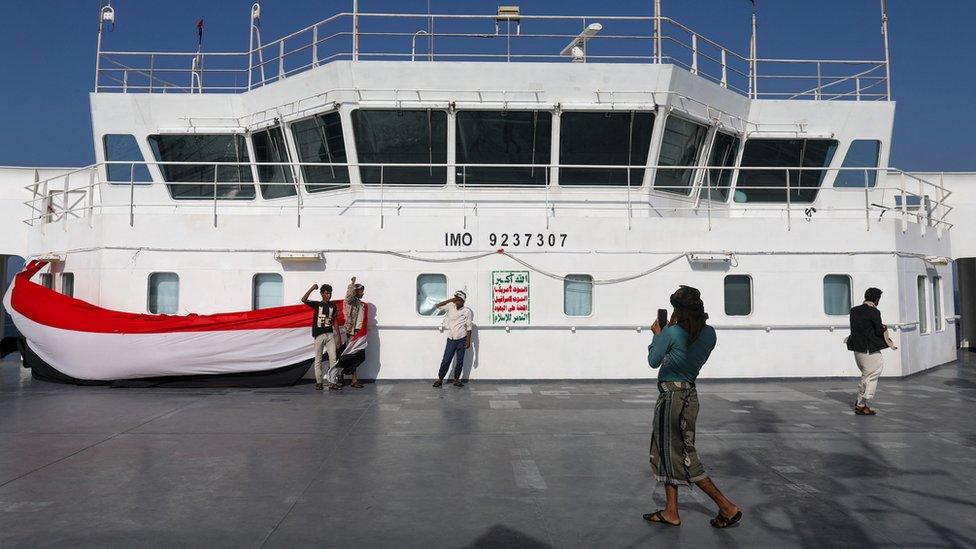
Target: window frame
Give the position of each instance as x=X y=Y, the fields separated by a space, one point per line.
x=149 y=288
x=416 y=290
x=248 y=149
x=141 y=161
x=704 y=148
x=850 y=293
x=938 y=309
x=741 y=171
x=642 y=168
x=543 y=162
x=847 y=151
x=287 y=171
x=752 y=296
x=448 y=119
x=921 y=298
x=592 y=295
x=71 y=277
x=254 y=287
x=302 y=180
x=47 y=280
x=733 y=169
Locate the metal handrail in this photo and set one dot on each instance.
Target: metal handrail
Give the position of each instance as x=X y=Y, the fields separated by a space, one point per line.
x=695 y=52
x=930 y=210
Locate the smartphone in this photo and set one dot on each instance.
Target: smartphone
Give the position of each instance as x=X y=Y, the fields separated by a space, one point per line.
x=662 y=317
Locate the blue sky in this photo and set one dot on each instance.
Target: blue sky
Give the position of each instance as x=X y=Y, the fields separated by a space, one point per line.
x=49 y=46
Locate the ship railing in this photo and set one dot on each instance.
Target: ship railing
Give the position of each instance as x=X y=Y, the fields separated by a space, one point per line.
x=421 y=37
x=77 y=194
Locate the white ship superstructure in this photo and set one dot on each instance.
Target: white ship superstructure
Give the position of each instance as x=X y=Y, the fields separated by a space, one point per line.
x=411 y=150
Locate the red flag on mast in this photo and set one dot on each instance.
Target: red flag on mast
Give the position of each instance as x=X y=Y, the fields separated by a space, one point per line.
x=200 y=32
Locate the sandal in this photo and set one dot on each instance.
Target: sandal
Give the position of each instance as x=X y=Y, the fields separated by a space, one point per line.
x=334 y=387
x=721 y=521
x=438 y=383
x=356 y=385
x=457 y=383
x=864 y=411
x=657 y=516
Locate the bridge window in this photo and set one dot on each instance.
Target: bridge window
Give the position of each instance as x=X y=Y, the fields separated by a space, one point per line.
x=164 y=293
x=503 y=137
x=863 y=153
x=120 y=147
x=431 y=290
x=771 y=185
x=680 y=146
x=738 y=295
x=269 y=146
x=837 y=294
x=718 y=180
x=319 y=140
x=196 y=181
x=578 y=295
x=266 y=291
x=68 y=284
x=401 y=137
x=604 y=139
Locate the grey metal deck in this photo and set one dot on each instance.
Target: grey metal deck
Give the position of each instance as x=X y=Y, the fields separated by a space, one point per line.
x=540 y=464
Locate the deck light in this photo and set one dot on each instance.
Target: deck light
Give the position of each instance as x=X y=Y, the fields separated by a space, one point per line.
x=283 y=256
x=508 y=14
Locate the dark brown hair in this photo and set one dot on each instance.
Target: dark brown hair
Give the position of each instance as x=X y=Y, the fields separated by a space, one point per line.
x=689 y=312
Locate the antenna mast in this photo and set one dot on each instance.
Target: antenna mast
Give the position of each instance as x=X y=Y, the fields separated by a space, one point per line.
x=884 y=33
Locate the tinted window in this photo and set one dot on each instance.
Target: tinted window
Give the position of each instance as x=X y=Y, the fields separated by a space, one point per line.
x=837 y=294
x=680 y=146
x=68 y=284
x=863 y=153
x=267 y=291
x=47 y=280
x=124 y=147
x=269 y=146
x=770 y=185
x=937 y=303
x=431 y=290
x=578 y=295
x=164 y=293
x=604 y=139
x=204 y=148
x=738 y=295
x=503 y=137
x=319 y=140
x=401 y=137
x=724 y=151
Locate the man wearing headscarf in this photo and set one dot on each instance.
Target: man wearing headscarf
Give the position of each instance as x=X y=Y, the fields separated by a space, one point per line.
x=458 y=322
x=680 y=349
x=353 y=321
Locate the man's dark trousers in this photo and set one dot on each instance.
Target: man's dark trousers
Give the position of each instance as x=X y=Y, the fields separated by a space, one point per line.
x=454 y=347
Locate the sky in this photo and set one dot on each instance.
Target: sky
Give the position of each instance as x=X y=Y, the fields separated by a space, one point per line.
x=48 y=68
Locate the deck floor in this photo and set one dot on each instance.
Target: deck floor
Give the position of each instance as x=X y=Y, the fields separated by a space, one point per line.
x=536 y=464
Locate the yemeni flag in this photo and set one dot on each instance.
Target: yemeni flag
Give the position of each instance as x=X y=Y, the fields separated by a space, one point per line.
x=88 y=343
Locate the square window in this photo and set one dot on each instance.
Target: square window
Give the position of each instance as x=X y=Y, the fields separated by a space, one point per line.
x=578 y=295
x=431 y=290
x=267 y=291
x=837 y=294
x=738 y=295
x=164 y=293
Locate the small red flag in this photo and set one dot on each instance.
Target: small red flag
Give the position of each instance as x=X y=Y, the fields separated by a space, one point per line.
x=200 y=30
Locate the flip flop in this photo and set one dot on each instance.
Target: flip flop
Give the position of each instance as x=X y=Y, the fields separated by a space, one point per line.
x=656 y=516
x=356 y=385
x=724 y=522
x=864 y=411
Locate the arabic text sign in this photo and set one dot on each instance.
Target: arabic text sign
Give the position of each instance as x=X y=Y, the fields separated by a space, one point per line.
x=510 y=297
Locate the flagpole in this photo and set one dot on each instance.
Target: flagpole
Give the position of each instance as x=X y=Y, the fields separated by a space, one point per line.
x=884 y=33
